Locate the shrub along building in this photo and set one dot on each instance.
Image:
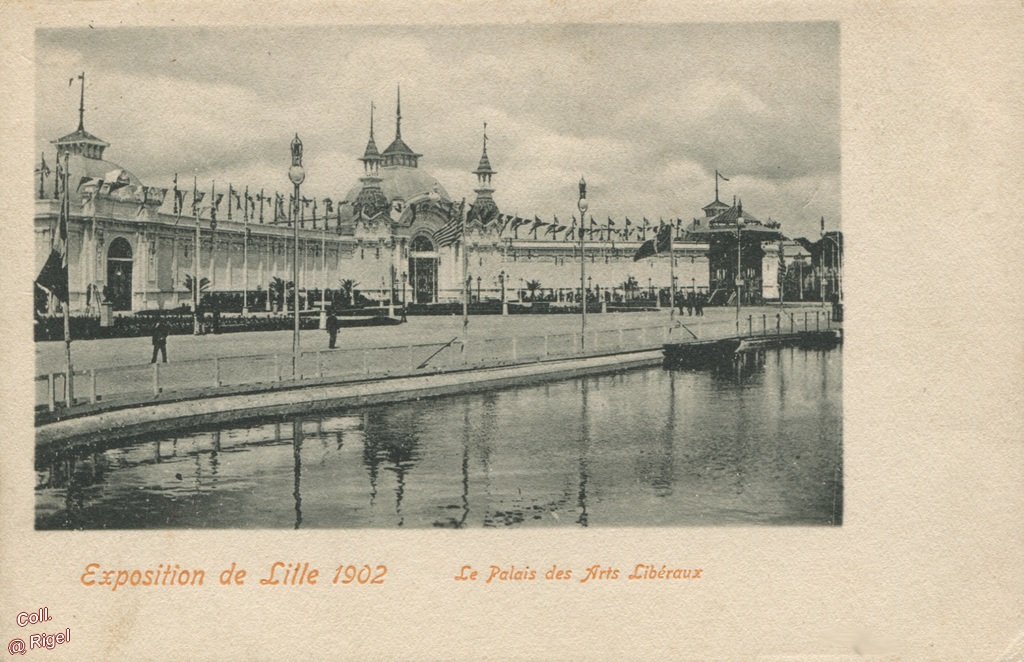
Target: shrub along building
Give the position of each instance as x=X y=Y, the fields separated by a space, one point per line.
x=395 y=233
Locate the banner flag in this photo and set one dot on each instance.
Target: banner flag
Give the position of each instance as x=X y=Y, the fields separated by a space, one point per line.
x=659 y=244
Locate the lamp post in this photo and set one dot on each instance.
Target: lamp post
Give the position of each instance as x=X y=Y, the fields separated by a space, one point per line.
x=739 y=266
x=196 y=281
x=323 y=273
x=478 y=279
x=583 y=205
x=837 y=265
x=504 y=306
x=405 y=277
x=297 y=174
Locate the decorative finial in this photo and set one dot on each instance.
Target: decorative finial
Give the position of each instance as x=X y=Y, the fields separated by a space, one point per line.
x=485 y=138
x=371 y=120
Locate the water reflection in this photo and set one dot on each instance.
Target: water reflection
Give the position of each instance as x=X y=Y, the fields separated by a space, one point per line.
x=757 y=440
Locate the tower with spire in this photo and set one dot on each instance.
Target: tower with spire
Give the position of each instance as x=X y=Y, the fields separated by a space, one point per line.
x=81 y=141
x=398 y=153
x=371 y=199
x=484 y=207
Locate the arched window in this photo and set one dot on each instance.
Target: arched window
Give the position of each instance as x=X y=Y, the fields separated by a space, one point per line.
x=422 y=244
x=120 y=249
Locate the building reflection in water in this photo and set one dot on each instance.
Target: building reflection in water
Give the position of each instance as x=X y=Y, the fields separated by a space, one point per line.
x=754 y=441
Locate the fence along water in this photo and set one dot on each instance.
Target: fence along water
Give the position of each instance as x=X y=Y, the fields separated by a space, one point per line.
x=152 y=382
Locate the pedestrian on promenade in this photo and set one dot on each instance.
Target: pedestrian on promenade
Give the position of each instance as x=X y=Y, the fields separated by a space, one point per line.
x=160 y=332
x=699 y=304
x=332 y=329
x=691 y=301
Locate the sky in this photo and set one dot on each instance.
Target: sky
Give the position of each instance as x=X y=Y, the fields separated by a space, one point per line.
x=646 y=113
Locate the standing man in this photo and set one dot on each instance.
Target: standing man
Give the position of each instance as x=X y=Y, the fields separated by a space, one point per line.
x=332 y=329
x=159 y=340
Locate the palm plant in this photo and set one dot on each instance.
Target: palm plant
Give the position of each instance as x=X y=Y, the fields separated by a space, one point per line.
x=533 y=286
x=204 y=284
x=280 y=292
x=348 y=289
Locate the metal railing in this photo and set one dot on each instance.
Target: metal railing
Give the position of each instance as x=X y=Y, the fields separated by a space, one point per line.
x=151 y=381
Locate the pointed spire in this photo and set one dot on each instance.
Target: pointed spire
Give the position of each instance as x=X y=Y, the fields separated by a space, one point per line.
x=371 y=154
x=81 y=104
x=483 y=169
x=398 y=114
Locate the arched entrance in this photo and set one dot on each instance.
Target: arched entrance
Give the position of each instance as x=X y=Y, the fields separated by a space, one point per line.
x=423 y=262
x=119 y=274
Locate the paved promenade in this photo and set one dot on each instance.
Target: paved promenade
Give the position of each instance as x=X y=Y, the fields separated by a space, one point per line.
x=88 y=354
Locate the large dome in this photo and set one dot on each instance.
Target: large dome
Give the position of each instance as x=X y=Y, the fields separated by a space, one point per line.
x=400 y=183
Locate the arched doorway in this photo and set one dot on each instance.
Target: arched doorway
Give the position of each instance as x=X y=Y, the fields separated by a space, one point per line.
x=423 y=261
x=119 y=274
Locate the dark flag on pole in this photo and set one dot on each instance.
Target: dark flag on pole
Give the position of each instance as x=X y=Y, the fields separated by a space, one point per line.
x=659 y=244
x=54 y=275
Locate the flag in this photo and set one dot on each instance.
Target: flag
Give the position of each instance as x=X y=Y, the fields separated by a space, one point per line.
x=659 y=244
x=43 y=168
x=116 y=179
x=54 y=274
x=721 y=176
x=537 y=224
x=57 y=179
x=450 y=232
x=176 y=199
x=197 y=199
x=89 y=183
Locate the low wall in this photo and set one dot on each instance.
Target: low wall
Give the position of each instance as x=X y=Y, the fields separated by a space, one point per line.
x=117 y=424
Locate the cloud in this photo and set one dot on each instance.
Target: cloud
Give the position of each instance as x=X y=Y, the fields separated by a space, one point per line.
x=647 y=113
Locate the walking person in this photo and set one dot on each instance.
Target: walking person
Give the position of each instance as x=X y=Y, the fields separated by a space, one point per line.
x=332 y=329
x=690 y=303
x=699 y=304
x=160 y=332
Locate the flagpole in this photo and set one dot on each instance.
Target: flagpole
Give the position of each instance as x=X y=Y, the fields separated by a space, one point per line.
x=465 y=277
x=672 y=275
x=323 y=272
x=195 y=265
x=245 y=254
x=70 y=375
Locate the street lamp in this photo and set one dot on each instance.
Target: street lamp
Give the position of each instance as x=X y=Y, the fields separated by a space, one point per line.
x=297 y=174
x=504 y=306
x=583 y=205
x=837 y=265
x=405 y=276
x=739 y=265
